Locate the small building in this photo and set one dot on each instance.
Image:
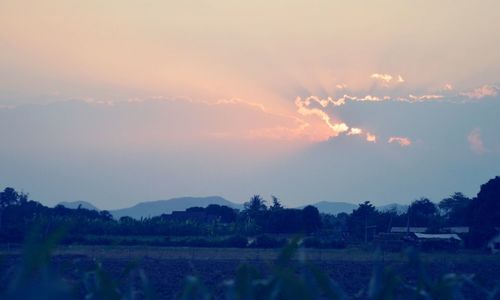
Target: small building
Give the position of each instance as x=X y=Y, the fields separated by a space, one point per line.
x=408 y=229
x=440 y=241
x=494 y=243
x=456 y=229
x=438 y=236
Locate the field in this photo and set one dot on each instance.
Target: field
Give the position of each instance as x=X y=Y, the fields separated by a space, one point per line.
x=167 y=268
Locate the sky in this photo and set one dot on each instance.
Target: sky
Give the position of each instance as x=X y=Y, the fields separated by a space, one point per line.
x=118 y=102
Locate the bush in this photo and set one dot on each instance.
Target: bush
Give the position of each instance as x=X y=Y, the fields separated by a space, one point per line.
x=266 y=241
x=235 y=241
x=199 y=242
x=314 y=242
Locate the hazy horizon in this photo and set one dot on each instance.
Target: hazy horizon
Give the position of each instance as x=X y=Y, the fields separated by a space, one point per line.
x=123 y=102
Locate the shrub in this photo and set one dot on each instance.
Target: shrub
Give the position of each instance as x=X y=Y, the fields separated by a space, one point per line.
x=315 y=242
x=266 y=241
x=235 y=241
x=198 y=242
x=312 y=242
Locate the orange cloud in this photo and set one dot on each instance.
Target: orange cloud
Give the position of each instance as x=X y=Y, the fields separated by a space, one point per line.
x=402 y=141
x=371 y=137
x=304 y=109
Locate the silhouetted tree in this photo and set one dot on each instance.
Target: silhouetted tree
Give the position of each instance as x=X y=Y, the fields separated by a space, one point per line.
x=362 y=220
x=226 y=214
x=255 y=214
x=485 y=212
x=422 y=213
x=276 y=204
x=312 y=219
x=387 y=219
x=455 y=209
x=106 y=215
x=256 y=204
x=10 y=196
x=286 y=220
x=195 y=209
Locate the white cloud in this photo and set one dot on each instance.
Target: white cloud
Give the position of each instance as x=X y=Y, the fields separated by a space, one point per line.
x=355 y=131
x=387 y=78
x=383 y=77
x=425 y=97
x=448 y=87
x=481 y=92
x=476 y=141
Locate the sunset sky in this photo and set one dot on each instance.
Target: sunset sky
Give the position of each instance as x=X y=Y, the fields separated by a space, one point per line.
x=116 y=102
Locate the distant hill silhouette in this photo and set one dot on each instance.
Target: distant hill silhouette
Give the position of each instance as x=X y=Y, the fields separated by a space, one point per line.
x=75 y=204
x=334 y=208
x=156 y=208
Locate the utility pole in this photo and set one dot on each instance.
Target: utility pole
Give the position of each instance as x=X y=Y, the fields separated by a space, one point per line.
x=408 y=220
x=366 y=229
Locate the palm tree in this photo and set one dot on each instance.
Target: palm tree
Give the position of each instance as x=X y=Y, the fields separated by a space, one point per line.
x=256 y=204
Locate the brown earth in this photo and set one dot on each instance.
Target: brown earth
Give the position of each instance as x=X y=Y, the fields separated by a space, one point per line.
x=166 y=268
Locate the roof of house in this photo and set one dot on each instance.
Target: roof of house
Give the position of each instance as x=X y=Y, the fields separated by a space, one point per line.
x=408 y=229
x=444 y=236
x=457 y=229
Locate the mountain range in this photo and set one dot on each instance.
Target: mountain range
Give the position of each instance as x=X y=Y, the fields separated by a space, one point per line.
x=156 y=208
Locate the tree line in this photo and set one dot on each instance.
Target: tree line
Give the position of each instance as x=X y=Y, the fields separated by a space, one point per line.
x=18 y=214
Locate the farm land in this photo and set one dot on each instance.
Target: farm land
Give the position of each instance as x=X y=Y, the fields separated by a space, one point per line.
x=167 y=267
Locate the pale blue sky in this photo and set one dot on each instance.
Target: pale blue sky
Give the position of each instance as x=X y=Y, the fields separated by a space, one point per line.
x=121 y=101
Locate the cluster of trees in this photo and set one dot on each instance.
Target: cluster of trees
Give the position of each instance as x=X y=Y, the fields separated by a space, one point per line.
x=19 y=215
x=482 y=214
x=450 y=212
x=276 y=219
